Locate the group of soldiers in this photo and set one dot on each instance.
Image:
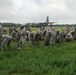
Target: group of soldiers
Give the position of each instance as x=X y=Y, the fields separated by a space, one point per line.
x=49 y=37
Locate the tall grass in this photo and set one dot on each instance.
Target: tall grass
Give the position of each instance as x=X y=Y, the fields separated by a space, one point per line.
x=59 y=59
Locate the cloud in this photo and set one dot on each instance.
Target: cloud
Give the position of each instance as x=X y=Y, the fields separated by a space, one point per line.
x=23 y=11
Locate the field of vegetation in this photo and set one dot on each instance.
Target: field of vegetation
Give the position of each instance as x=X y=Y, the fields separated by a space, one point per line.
x=59 y=59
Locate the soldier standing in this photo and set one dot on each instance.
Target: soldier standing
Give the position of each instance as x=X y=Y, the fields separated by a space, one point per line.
x=10 y=30
x=13 y=34
x=22 y=40
x=1 y=33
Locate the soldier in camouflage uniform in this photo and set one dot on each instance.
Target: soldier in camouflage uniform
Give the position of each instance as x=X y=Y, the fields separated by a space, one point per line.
x=6 y=40
x=50 y=38
x=22 y=41
x=1 y=33
x=69 y=37
x=13 y=34
x=10 y=30
x=34 y=37
x=27 y=32
x=18 y=36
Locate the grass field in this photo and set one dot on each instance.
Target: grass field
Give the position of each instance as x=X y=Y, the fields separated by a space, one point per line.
x=34 y=29
x=59 y=59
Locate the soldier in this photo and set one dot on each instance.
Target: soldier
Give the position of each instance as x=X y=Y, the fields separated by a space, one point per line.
x=60 y=35
x=1 y=33
x=74 y=35
x=22 y=41
x=6 y=40
x=10 y=30
x=43 y=34
x=34 y=37
x=68 y=29
x=50 y=38
x=42 y=29
x=18 y=36
x=27 y=32
x=13 y=34
x=69 y=37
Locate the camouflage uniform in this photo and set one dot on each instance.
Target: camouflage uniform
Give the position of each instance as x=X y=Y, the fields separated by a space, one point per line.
x=13 y=34
x=50 y=38
x=10 y=30
x=22 y=40
x=18 y=36
x=34 y=37
x=27 y=32
x=1 y=33
x=68 y=29
x=6 y=39
x=69 y=37
x=0 y=38
x=60 y=36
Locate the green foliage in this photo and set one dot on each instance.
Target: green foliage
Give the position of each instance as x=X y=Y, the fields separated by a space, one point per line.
x=59 y=59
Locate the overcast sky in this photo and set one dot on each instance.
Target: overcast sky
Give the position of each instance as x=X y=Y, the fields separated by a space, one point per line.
x=23 y=11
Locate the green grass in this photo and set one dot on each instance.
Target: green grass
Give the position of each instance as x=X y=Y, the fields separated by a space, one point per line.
x=59 y=59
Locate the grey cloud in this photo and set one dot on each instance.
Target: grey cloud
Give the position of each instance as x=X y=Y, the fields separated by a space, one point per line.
x=23 y=11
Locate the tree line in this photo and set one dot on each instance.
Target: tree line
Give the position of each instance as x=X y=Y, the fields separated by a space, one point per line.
x=33 y=25
x=10 y=24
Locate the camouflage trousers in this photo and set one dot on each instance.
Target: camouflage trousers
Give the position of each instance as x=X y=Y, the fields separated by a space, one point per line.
x=22 y=42
x=0 y=41
x=6 y=41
